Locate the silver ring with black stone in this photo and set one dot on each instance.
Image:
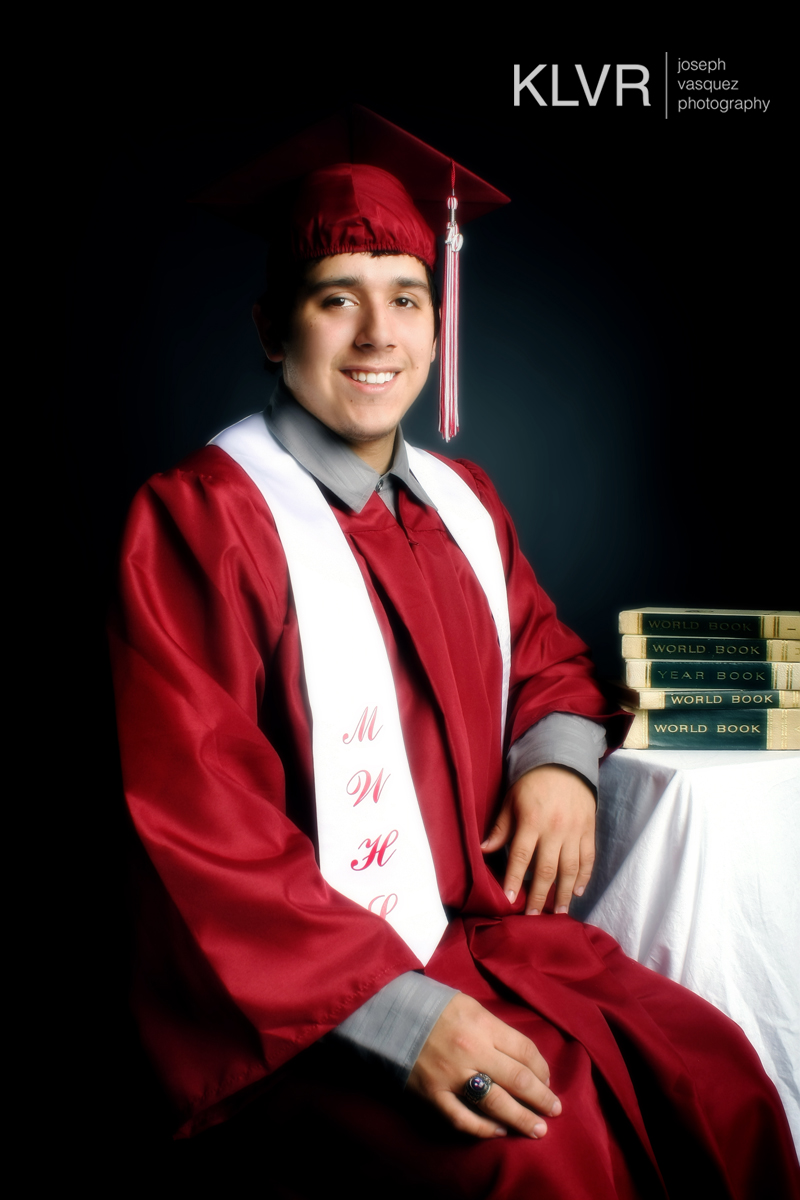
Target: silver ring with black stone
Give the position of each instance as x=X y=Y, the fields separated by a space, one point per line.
x=477 y=1088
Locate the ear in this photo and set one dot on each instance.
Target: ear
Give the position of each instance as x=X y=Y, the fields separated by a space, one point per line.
x=435 y=340
x=273 y=350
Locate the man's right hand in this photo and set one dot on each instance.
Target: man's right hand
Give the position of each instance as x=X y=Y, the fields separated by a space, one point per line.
x=467 y=1039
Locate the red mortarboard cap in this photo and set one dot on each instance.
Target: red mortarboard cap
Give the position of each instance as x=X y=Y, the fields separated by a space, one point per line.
x=352 y=207
x=355 y=183
x=321 y=191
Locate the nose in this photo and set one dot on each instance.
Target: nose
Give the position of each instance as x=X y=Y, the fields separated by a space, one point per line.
x=375 y=327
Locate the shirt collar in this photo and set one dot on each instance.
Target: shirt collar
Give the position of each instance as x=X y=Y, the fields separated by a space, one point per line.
x=330 y=460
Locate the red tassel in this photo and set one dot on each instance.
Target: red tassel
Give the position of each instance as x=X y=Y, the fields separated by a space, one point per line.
x=448 y=369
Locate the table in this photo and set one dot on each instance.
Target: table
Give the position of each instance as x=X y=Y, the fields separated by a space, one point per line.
x=698 y=877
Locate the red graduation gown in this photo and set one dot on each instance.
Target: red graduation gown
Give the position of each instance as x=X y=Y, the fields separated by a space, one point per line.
x=247 y=957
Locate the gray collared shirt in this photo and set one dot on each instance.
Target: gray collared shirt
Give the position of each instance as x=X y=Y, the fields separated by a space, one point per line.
x=394 y=1024
x=333 y=463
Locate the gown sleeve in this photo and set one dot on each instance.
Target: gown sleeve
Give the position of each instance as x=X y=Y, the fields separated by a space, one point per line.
x=201 y=621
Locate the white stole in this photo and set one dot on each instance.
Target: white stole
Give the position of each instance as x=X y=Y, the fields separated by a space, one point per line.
x=372 y=842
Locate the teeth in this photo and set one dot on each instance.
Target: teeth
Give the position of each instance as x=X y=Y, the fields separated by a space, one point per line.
x=372 y=376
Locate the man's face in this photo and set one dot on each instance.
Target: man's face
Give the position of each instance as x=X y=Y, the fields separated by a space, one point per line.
x=361 y=343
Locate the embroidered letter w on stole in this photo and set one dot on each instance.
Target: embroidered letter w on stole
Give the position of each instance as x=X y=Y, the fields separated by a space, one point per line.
x=372 y=842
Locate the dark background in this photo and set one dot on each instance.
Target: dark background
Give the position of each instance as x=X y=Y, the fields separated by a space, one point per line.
x=623 y=359
x=622 y=355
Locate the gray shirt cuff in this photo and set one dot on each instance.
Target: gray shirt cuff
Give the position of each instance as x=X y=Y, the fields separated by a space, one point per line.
x=394 y=1024
x=563 y=740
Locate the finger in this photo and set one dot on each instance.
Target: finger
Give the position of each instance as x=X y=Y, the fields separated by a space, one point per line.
x=569 y=861
x=522 y=1085
x=545 y=871
x=466 y=1118
x=500 y=831
x=505 y=1110
x=514 y=1045
x=519 y=858
x=587 y=864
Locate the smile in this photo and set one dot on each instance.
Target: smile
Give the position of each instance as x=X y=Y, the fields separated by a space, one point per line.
x=372 y=376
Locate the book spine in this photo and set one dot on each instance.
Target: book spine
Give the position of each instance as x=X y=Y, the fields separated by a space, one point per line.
x=758 y=730
x=706 y=623
x=683 y=673
x=654 y=698
x=739 y=649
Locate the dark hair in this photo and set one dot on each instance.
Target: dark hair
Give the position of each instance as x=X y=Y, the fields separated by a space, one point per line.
x=285 y=280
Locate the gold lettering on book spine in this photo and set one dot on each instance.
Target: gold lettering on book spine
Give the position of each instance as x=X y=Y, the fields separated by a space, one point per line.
x=781 y=624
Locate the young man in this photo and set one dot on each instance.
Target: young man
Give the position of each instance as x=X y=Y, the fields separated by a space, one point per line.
x=342 y=696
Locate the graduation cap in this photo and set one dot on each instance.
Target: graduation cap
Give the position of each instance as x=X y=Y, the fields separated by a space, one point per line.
x=356 y=183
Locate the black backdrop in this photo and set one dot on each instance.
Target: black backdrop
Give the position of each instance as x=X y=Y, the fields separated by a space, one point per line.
x=623 y=333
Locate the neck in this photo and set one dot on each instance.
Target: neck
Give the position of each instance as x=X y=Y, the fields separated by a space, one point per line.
x=377 y=454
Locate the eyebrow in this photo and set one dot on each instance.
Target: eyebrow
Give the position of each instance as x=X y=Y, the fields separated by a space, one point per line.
x=355 y=281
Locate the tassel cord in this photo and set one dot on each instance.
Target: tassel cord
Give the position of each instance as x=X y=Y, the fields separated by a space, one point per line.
x=448 y=375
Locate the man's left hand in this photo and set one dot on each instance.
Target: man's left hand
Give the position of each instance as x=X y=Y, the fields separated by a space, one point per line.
x=548 y=815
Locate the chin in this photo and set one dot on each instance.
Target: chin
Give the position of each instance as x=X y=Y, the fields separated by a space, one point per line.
x=367 y=424
x=363 y=433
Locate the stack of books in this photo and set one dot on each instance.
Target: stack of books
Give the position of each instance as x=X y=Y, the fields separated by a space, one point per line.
x=705 y=679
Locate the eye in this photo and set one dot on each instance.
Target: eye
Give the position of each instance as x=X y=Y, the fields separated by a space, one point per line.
x=338 y=302
x=404 y=302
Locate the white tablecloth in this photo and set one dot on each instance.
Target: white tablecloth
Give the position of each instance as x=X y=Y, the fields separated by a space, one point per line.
x=698 y=877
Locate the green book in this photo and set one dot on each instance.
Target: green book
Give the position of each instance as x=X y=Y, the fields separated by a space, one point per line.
x=706 y=698
x=704 y=622
x=734 y=649
x=685 y=673
x=725 y=730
